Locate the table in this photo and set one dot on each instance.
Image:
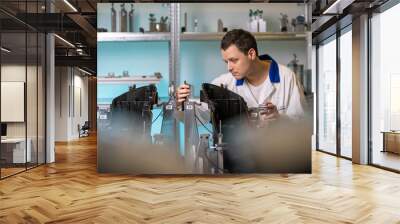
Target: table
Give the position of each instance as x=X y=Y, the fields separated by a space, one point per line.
x=13 y=150
x=391 y=141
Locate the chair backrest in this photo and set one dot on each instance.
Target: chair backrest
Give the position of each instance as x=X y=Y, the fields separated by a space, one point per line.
x=86 y=125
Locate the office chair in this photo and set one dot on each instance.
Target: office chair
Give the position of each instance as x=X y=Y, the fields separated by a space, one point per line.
x=84 y=130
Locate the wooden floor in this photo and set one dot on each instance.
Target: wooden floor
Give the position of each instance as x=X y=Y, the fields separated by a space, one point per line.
x=5 y=172
x=71 y=191
x=8 y=171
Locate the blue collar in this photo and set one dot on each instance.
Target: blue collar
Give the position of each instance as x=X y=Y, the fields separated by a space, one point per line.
x=273 y=70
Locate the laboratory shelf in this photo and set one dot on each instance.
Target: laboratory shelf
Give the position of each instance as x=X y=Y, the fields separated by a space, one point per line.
x=194 y=36
x=259 y=36
x=128 y=80
x=116 y=36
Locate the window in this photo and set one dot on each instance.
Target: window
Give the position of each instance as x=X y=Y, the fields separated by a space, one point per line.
x=22 y=76
x=385 y=87
x=346 y=93
x=327 y=96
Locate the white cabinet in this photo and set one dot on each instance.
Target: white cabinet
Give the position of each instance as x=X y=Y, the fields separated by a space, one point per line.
x=16 y=146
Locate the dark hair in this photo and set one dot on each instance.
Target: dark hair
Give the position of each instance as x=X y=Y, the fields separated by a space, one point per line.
x=242 y=39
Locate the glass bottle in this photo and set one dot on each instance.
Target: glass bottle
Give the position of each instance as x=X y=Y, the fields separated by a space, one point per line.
x=196 y=25
x=123 y=19
x=113 y=19
x=131 y=19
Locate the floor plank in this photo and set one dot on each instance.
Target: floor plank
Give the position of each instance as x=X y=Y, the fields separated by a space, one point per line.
x=71 y=191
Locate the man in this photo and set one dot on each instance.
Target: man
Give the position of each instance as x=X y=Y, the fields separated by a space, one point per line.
x=258 y=79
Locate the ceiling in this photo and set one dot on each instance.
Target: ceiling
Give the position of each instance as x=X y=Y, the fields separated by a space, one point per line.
x=77 y=27
x=78 y=24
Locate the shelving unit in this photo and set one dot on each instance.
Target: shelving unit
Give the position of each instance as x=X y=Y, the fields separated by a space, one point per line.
x=191 y=36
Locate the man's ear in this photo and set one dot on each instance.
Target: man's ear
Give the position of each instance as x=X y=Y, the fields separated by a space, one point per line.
x=252 y=54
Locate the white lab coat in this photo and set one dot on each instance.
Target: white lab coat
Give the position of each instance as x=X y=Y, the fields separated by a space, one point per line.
x=287 y=94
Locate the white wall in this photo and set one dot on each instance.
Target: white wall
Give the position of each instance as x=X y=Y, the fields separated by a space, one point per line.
x=61 y=103
x=71 y=94
x=13 y=73
x=17 y=73
x=80 y=109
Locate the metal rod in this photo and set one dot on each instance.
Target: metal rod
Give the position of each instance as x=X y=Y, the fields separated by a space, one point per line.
x=369 y=96
x=0 y=96
x=317 y=96
x=338 y=93
x=26 y=91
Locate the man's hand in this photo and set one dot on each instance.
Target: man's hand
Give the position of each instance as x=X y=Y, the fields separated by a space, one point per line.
x=182 y=93
x=270 y=112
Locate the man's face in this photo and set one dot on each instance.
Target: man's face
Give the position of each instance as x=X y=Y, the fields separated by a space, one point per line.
x=239 y=64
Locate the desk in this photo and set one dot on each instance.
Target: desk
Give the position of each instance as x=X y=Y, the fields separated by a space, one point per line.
x=15 y=148
x=391 y=141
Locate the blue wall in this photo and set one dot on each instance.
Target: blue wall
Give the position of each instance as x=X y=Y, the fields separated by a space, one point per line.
x=138 y=58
